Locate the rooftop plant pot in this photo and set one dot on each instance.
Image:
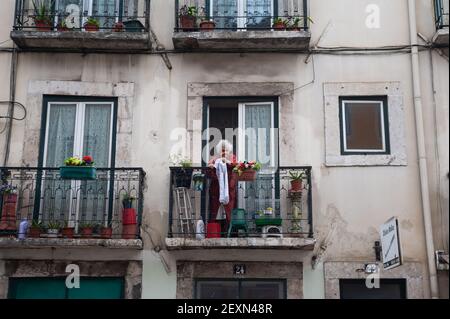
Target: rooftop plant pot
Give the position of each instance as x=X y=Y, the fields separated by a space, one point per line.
x=78 y=172
x=43 y=25
x=119 y=27
x=296 y=185
x=260 y=222
x=52 y=233
x=86 y=232
x=207 y=25
x=34 y=232
x=187 y=22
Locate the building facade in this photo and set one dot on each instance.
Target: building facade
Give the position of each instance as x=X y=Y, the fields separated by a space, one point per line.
x=350 y=97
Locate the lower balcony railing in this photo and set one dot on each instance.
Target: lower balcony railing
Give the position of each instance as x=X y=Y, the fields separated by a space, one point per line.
x=108 y=207
x=442 y=12
x=271 y=206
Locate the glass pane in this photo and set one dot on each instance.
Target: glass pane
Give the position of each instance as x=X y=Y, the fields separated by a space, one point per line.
x=56 y=194
x=262 y=290
x=363 y=126
x=96 y=143
x=106 y=12
x=217 y=290
x=224 y=13
x=71 y=11
x=259 y=195
x=259 y=14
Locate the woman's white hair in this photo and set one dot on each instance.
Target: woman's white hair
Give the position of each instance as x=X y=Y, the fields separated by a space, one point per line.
x=224 y=144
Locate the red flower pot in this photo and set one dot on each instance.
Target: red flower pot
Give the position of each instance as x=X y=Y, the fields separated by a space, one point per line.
x=91 y=27
x=119 y=27
x=87 y=232
x=187 y=22
x=207 y=25
x=43 y=26
x=129 y=231
x=34 y=232
x=68 y=232
x=106 y=232
x=279 y=26
x=296 y=185
x=247 y=176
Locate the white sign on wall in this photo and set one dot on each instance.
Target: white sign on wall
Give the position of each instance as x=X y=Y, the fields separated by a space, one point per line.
x=390 y=244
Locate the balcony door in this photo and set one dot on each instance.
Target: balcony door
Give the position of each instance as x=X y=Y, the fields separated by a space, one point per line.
x=242 y=14
x=77 y=129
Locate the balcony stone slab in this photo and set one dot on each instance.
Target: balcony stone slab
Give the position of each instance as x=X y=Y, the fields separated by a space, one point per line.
x=256 y=41
x=79 y=41
x=135 y=244
x=241 y=243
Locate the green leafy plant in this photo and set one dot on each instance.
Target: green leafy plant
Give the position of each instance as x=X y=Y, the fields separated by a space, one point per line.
x=294 y=22
x=42 y=13
x=178 y=160
x=87 y=225
x=279 y=21
x=36 y=224
x=91 y=21
x=297 y=175
x=188 y=11
x=53 y=225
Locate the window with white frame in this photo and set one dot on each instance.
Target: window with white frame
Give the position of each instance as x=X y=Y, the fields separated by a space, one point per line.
x=364 y=125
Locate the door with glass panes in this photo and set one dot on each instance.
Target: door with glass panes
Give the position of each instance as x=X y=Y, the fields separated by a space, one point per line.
x=77 y=128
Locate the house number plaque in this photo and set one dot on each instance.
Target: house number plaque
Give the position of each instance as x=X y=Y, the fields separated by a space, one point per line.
x=239 y=269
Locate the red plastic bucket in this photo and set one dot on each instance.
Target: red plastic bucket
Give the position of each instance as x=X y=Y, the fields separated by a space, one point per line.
x=213 y=230
x=129 y=216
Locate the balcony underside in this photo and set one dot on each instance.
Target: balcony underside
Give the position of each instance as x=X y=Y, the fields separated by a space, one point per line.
x=241 y=243
x=70 y=243
x=79 y=41
x=255 y=41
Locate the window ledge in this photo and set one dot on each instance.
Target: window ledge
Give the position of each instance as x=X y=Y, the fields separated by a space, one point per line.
x=70 y=243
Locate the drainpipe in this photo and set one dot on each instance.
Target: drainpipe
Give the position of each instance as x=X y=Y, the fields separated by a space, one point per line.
x=12 y=98
x=426 y=208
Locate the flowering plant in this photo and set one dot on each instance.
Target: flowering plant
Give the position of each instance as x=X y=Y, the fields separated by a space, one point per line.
x=245 y=166
x=76 y=161
x=8 y=189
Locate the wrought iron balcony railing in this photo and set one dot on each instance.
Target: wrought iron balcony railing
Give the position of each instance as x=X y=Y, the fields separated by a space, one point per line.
x=441 y=11
x=81 y=15
x=270 y=206
x=240 y=15
x=74 y=207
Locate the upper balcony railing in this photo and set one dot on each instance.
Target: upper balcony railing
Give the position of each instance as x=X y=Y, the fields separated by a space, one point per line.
x=240 y=15
x=82 y=15
x=42 y=197
x=270 y=206
x=442 y=13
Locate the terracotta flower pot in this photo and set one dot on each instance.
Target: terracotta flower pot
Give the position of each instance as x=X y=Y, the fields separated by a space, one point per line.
x=187 y=22
x=68 y=232
x=247 y=176
x=34 y=232
x=106 y=232
x=296 y=185
x=86 y=232
x=207 y=25
x=43 y=26
x=279 y=26
x=91 y=27
x=119 y=27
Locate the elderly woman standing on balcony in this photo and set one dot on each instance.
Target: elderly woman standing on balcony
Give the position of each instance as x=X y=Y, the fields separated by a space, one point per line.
x=223 y=182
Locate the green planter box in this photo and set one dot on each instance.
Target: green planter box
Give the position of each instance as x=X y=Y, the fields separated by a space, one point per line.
x=261 y=222
x=78 y=172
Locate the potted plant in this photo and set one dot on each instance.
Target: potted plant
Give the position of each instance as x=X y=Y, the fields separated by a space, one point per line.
x=296 y=178
x=188 y=17
x=86 y=230
x=35 y=229
x=106 y=231
x=246 y=171
x=92 y=24
x=119 y=26
x=42 y=15
x=53 y=229
x=294 y=23
x=9 y=193
x=67 y=231
x=279 y=24
x=183 y=173
x=9 y=205
x=76 y=168
x=205 y=23
x=62 y=25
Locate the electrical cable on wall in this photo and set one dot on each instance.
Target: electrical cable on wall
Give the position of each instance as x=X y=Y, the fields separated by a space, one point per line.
x=15 y=118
